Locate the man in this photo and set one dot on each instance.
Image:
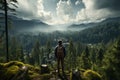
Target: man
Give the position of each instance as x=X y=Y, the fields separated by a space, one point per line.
x=60 y=54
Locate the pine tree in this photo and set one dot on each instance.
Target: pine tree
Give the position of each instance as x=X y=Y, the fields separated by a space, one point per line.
x=20 y=53
x=79 y=48
x=84 y=59
x=99 y=56
x=13 y=49
x=71 y=56
x=48 y=48
x=112 y=62
x=36 y=53
x=93 y=55
x=4 y=6
x=2 y=49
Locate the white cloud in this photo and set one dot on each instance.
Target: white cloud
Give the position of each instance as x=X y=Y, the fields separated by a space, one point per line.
x=33 y=9
x=77 y=2
x=42 y=14
x=64 y=11
x=89 y=4
x=26 y=9
x=90 y=14
x=81 y=15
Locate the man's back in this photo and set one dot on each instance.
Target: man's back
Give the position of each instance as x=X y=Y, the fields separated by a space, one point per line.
x=60 y=52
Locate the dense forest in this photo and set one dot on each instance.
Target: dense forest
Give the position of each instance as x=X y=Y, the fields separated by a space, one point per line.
x=94 y=52
x=103 y=32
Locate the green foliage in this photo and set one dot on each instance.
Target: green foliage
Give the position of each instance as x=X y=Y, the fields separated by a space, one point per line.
x=112 y=62
x=91 y=75
x=71 y=56
x=36 y=53
x=104 y=32
x=9 y=3
x=84 y=59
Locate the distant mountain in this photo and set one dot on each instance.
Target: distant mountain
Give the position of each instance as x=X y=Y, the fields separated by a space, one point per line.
x=82 y=25
x=23 y=25
x=104 y=31
x=93 y=24
x=20 y=24
x=113 y=20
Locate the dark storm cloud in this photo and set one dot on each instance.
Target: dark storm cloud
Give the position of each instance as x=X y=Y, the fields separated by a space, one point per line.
x=113 y=5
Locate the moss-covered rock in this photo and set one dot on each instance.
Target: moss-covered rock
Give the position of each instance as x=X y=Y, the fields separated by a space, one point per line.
x=33 y=75
x=15 y=63
x=91 y=75
x=32 y=68
x=10 y=69
x=15 y=70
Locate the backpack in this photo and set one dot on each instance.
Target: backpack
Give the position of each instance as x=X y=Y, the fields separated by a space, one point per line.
x=60 y=52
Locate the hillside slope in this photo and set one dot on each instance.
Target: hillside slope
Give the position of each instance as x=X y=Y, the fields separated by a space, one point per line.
x=104 y=31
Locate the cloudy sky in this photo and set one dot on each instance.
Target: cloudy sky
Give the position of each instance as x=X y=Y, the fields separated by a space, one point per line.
x=57 y=12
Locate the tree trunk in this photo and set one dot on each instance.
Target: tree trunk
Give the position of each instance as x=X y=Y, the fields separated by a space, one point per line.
x=6 y=29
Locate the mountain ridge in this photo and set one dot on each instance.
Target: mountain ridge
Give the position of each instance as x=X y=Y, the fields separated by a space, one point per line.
x=93 y=24
x=34 y=25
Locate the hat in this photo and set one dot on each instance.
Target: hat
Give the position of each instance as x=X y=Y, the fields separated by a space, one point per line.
x=60 y=41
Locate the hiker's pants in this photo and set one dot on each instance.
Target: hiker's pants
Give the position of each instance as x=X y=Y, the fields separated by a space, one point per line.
x=60 y=60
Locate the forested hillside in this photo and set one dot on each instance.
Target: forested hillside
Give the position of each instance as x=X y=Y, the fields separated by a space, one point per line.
x=98 y=61
x=103 y=32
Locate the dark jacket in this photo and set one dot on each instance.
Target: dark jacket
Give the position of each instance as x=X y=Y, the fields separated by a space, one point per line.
x=64 y=51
